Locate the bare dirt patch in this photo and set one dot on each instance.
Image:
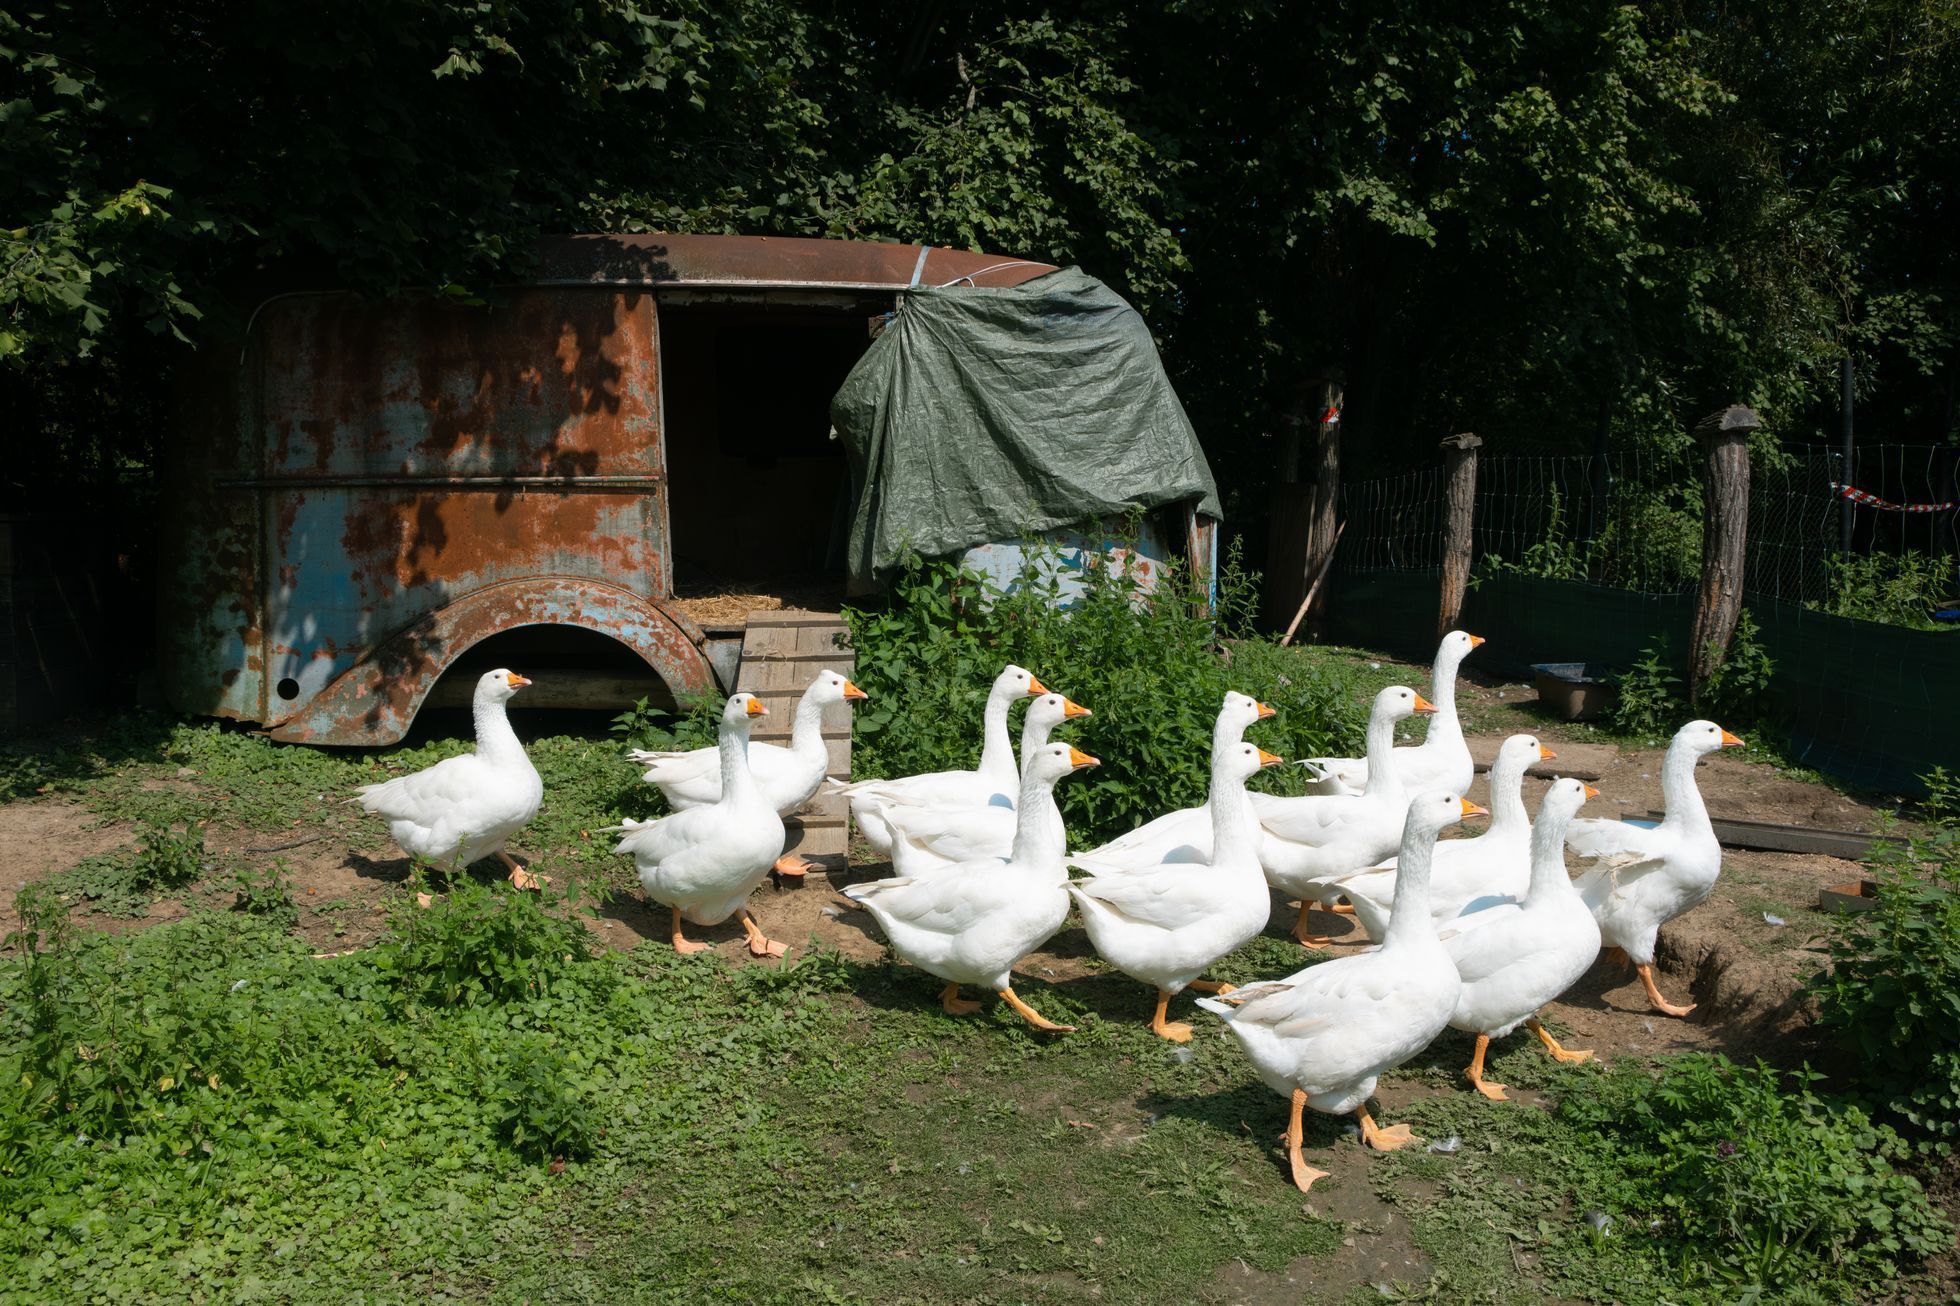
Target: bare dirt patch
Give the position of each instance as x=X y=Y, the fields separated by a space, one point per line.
x=43 y=837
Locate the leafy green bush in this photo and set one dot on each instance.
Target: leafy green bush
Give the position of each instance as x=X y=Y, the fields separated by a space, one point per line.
x=1899 y=589
x=1891 y=993
x=1148 y=664
x=1756 y=1181
x=1650 y=702
x=126 y=881
x=477 y=943
x=1735 y=694
x=267 y=893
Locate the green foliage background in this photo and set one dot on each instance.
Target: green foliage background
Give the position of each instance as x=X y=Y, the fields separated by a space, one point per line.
x=1530 y=219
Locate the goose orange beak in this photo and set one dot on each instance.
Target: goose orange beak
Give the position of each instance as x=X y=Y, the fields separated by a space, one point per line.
x=1269 y=759
x=1475 y=640
x=1471 y=809
x=1265 y=710
x=1590 y=791
x=852 y=691
x=517 y=681
x=1423 y=705
x=1545 y=754
x=1072 y=708
x=1730 y=741
x=1079 y=759
x=756 y=708
x=1035 y=686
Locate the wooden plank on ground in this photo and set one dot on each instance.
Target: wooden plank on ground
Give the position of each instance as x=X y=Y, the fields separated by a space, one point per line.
x=1580 y=761
x=1768 y=836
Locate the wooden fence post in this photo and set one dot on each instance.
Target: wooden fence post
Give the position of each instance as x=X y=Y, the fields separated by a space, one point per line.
x=1724 y=533
x=1326 y=481
x=1459 y=515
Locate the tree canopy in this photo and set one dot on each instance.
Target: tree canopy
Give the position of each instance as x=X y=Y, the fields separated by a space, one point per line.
x=1539 y=220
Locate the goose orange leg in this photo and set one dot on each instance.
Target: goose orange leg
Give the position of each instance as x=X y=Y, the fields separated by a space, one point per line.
x=1212 y=986
x=520 y=877
x=1304 y=1175
x=955 y=1005
x=1490 y=1088
x=1552 y=1044
x=1032 y=1016
x=1174 y=1030
x=1300 y=932
x=760 y=944
x=1382 y=1140
x=682 y=944
x=792 y=867
x=1661 y=1004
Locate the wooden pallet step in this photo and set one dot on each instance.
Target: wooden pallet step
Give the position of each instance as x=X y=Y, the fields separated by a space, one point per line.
x=794 y=617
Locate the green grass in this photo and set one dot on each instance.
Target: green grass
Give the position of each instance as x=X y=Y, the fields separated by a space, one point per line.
x=477 y=1107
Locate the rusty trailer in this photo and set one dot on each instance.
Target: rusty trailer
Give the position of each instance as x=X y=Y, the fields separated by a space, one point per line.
x=379 y=492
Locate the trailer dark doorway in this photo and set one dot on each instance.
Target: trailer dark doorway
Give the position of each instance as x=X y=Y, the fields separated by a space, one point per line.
x=758 y=491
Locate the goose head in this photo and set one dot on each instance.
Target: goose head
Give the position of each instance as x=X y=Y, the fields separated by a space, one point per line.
x=1399 y=701
x=1565 y=797
x=498 y=686
x=742 y=709
x=1018 y=682
x=1242 y=709
x=1050 y=710
x=1456 y=646
x=1701 y=737
x=1521 y=752
x=1053 y=761
x=1243 y=761
x=1435 y=810
x=829 y=687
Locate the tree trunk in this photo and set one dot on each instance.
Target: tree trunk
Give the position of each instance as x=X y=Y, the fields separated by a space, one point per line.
x=1326 y=483
x=1724 y=535
x=1459 y=514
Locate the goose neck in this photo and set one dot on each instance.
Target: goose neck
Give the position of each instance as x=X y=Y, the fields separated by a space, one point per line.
x=996 y=753
x=737 y=782
x=1548 y=875
x=1443 y=726
x=1381 y=752
x=1039 y=836
x=1408 y=916
x=495 y=740
x=1681 y=796
x=1507 y=810
x=806 y=727
x=1034 y=736
x=1234 y=830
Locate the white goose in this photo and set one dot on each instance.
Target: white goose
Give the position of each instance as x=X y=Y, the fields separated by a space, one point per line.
x=1640 y=879
x=1495 y=864
x=1440 y=761
x=969 y=925
x=1311 y=839
x=1185 y=835
x=1515 y=957
x=466 y=808
x=788 y=777
x=994 y=781
x=926 y=840
x=1168 y=924
x=1323 y=1035
x=704 y=862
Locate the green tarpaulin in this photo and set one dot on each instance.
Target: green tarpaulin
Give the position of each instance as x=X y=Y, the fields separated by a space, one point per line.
x=988 y=414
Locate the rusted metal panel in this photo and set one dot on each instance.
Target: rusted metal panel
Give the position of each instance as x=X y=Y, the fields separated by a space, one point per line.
x=404 y=460
x=785 y=261
x=376 y=700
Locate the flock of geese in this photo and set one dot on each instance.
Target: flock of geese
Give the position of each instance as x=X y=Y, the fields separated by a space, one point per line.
x=1473 y=934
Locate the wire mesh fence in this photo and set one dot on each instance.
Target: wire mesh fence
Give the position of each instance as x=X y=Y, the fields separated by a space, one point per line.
x=1633 y=521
